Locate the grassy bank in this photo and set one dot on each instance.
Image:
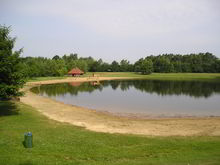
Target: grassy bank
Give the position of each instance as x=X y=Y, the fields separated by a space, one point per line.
x=161 y=76
x=59 y=143
x=153 y=76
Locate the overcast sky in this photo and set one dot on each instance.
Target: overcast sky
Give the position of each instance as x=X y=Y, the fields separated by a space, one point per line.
x=113 y=29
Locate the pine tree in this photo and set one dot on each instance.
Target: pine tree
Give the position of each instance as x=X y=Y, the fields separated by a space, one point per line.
x=11 y=75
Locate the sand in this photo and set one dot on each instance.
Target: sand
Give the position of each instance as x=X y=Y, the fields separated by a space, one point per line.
x=106 y=122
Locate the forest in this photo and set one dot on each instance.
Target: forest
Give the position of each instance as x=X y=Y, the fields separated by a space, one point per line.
x=165 y=63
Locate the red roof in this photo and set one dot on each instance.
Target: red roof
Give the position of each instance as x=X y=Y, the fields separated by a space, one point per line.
x=75 y=71
x=75 y=84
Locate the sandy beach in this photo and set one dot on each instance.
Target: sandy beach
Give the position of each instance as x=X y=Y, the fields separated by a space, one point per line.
x=105 y=122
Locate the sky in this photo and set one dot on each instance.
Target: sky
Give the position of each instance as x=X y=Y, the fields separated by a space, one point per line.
x=113 y=29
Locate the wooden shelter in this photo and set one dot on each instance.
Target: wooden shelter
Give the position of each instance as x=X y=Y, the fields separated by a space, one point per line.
x=75 y=72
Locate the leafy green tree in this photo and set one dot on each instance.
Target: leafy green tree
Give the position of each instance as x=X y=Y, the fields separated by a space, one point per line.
x=217 y=66
x=40 y=66
x=81 y=64
x=89 y=62
x=124 y=65
x=96 y=66
x=186 y=67
x=163 y=65
x=137 y=65
x=56 y=57
x=115 y=67
x=11 y=76
x=146 y=66
x=196 y=63
x=73 y=56
x=208 y=62
x=105 y=67
x=177 y=66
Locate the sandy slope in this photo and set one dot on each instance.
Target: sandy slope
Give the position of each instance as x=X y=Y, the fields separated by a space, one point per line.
x=103 y=122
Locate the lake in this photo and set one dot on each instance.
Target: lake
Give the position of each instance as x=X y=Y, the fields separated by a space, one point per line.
x=140 y=97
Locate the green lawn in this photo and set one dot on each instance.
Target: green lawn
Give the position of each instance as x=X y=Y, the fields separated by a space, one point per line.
x=161 y=76
x=62 y=144
x=156 y=76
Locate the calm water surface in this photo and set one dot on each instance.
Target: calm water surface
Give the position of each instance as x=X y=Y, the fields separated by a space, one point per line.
x=145 y=97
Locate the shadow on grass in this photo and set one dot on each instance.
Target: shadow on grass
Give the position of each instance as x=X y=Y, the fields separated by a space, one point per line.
x=217 y=78
x=26 y=163
x=8 y=108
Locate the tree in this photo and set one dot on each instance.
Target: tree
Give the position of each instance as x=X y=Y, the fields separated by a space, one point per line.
x=146 y=66
x=73 y=56
x=115 y=67
x=105 y=67
x=81 y=64
x=217 y=66
x=11 y=76
x=177 y=66
x=137 y=65
x=163 y=65
x=208 y=62
x=56 y=57
x=124 y=65
x=96 y=66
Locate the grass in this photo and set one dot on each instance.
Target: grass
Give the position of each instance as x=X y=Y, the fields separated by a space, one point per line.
x=153 y=76
x=64 y=144
x=160 y=76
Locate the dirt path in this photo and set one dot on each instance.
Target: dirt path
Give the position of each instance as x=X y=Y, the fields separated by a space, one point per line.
x=102 y=122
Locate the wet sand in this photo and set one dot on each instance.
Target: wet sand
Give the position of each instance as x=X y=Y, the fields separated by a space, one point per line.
x=109 y=123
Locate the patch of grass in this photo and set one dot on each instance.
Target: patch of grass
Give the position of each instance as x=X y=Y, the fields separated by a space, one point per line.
x=153 y=76
x=161 y=76
x=62 y=144
x=8 y=108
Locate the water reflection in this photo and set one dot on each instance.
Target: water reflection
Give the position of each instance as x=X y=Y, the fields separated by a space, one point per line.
x=65 y=88
x=195 y=89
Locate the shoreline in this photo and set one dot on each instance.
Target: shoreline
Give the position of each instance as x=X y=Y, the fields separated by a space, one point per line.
x=95 y=120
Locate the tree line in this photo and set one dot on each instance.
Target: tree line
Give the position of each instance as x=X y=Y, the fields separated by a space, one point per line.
x=165 y=63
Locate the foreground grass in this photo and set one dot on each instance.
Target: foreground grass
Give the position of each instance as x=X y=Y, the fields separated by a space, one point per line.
x=62 y=144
